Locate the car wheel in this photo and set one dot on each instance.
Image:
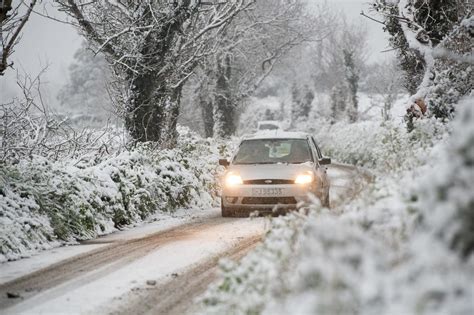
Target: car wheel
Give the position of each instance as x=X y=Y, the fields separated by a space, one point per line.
x=226 y=212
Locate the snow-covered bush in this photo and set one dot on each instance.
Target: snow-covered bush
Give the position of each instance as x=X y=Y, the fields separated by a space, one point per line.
x=447 y=195
x=43 y=202
x=378 y=145
x=320 y=264
x=28 y=128
x=404 y=246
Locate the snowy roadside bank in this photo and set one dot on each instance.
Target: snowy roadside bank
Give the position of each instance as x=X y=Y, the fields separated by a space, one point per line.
x=131 y=267
x=156 y=223
x=403 y=247
x=48 y=203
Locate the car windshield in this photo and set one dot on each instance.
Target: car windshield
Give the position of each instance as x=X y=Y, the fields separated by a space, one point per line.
x=271 y=151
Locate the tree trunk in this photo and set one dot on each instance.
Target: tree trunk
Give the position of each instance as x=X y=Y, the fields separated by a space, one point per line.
x=352 y=80
x=338 y=103
x=153 y=110
x=172 y=107
x=206 y=104
x=144 y=115
x=410 y=60
x=207 y=112
x=224 y=109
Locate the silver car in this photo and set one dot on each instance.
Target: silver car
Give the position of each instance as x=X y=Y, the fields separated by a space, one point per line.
x=273 y=173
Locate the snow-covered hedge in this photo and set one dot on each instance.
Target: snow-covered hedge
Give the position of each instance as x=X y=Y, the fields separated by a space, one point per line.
x=447 y=193
x=378 y=145
x=44 y=203
x=404 y=247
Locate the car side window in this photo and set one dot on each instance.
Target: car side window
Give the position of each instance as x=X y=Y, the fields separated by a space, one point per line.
x=320 y=156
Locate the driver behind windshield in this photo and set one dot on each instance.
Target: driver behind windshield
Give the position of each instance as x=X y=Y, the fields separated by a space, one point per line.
x=299 y=153
x=273 y=151
x=252 y=152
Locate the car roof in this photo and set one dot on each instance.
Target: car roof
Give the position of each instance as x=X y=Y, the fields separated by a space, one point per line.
x=276 y=134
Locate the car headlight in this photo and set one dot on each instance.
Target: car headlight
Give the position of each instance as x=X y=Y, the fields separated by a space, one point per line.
x=304 y=178
x=233 y=179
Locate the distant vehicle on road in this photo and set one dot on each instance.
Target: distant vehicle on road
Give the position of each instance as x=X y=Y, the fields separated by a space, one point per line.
x=269 y=125
x=273 y=173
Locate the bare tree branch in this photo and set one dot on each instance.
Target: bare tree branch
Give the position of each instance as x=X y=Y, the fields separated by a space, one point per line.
x=10 y=29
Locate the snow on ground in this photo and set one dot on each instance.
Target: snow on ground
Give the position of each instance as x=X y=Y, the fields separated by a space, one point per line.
x=16 y=269
x=157 y=223
x=106 y=288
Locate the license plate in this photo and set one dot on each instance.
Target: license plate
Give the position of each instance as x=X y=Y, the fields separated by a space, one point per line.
x=262 y=192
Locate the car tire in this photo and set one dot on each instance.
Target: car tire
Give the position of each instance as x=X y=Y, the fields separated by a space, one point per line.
x=226 y=212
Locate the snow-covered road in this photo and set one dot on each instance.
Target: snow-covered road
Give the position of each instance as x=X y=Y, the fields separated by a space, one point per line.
x=156 y=268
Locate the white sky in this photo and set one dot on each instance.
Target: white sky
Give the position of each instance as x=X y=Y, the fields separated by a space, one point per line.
x=46 y=42
x=377 y=39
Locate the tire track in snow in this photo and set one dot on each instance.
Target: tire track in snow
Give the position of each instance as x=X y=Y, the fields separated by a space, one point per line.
x=115 y=255
x=177 y=295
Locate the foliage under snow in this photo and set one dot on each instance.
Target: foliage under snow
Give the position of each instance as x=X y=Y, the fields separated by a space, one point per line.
x=384 y=145
x=44 y=203
x=403 y=247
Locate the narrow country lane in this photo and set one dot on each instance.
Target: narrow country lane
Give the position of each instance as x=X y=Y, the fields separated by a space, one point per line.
x=153 y=272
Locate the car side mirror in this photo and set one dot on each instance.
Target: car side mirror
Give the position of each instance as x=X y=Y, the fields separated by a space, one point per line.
x=224 y=162
x=325 y=161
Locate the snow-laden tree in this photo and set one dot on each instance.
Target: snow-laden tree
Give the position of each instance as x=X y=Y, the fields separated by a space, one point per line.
x=85 y=91
x=410 y=58
x=453 y=70
x=205 y=101
x=295 y=103
x=351 y=75
x=154 y=47
x=346 y=44
x=339 y=61
x=383 y=82
x=338 y=99
x=434 y=44
x=251 y=47
x=301 y=101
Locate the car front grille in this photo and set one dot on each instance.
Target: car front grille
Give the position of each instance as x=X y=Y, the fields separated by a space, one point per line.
x=269 y=182
x=268 y=200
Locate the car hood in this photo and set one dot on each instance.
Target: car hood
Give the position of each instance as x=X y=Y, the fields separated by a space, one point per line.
x=270 y=171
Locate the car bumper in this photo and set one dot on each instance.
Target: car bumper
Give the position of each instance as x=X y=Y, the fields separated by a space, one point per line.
x=266 y=198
